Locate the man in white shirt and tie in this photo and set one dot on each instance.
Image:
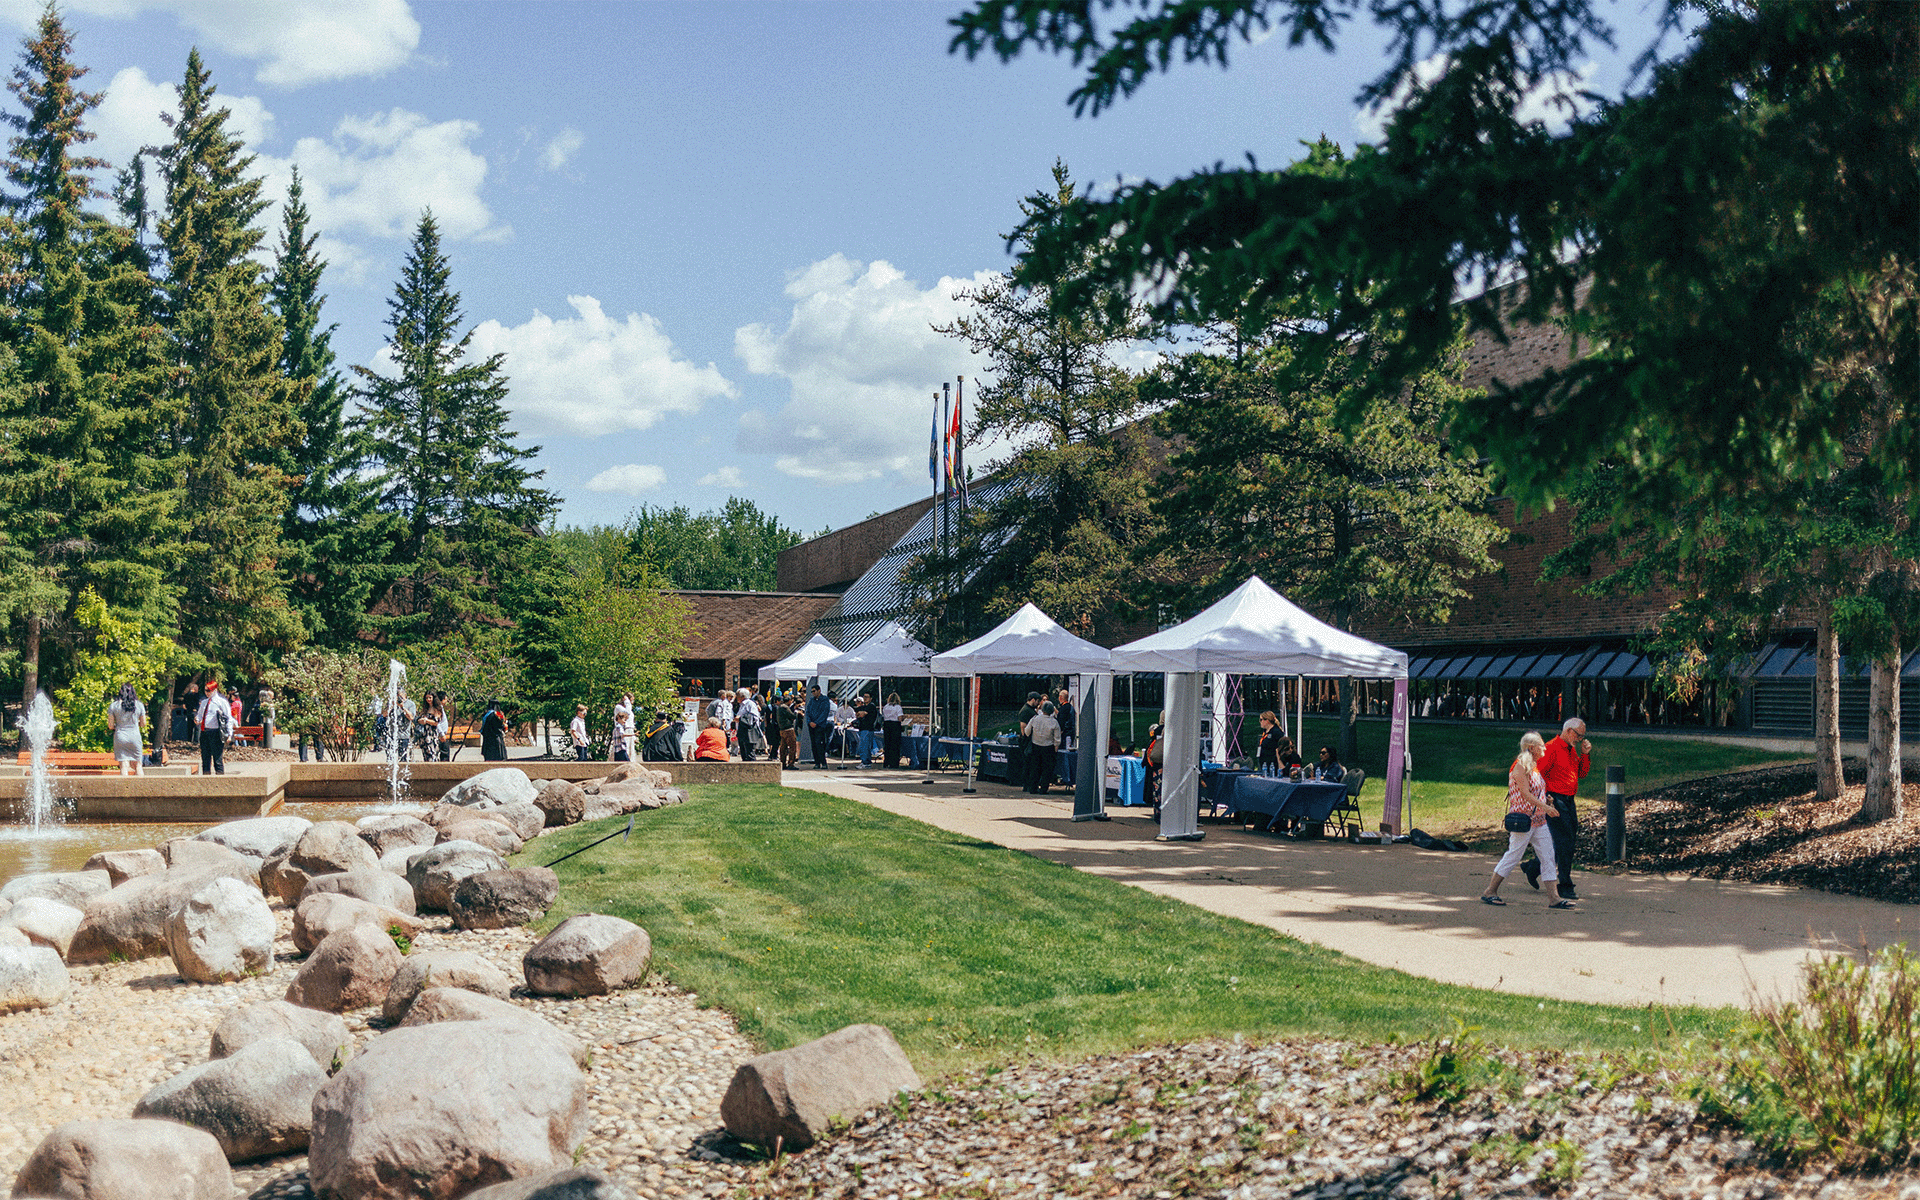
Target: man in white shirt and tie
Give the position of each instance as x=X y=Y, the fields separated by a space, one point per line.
x=211 y=719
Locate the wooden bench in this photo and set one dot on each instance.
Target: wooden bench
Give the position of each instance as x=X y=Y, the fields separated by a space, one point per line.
x=76 y=762
x=249 y=735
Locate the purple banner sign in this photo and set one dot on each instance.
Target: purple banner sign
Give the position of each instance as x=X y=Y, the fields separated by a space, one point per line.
x=1396 y=758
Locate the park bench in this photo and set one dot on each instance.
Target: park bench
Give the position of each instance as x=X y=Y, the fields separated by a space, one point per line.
x=249 y=735
x=76 y=762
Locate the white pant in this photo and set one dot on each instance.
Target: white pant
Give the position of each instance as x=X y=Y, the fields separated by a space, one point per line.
x=1542 y=843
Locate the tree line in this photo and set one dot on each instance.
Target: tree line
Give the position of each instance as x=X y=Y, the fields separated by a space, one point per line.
x=192 y=484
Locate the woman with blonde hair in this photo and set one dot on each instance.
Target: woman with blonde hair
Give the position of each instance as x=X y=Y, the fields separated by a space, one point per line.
x=1527 y=811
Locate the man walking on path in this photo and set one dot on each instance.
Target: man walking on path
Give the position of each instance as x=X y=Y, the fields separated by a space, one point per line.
x=1564 y=764
x=819 y=726
x=213 y=719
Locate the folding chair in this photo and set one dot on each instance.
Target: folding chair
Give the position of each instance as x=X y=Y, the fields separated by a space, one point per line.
x=1347 y=812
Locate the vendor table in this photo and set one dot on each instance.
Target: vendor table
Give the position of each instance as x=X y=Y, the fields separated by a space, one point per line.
x=1278 y=798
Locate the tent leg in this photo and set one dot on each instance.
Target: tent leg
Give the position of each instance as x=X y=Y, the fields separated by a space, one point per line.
x=973 y=732
x=1089 y=756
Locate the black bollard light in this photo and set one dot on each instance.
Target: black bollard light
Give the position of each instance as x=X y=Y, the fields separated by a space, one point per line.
x=1616 y=814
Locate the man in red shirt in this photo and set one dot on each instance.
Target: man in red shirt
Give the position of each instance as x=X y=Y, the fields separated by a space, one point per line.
x=1564 y=764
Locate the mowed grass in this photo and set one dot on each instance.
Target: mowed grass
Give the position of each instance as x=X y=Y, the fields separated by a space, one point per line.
x=801 y=912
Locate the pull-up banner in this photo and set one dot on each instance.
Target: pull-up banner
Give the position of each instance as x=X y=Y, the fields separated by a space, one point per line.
x=1396 y=759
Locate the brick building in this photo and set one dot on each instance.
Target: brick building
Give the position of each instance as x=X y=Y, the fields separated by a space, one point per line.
x=740 y=632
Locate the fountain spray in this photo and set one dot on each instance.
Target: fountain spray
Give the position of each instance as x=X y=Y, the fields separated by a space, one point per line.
x=38 y=730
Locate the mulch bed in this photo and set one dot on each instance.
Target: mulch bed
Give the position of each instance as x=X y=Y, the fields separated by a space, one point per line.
x=1767 y=826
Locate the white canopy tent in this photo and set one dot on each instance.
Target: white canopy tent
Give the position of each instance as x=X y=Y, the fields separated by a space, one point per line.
x=1031 y=643
x=803 y=663
x=890 y=652
x=1253 y=630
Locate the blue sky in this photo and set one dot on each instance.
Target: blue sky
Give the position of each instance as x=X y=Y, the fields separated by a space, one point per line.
x=710 y=237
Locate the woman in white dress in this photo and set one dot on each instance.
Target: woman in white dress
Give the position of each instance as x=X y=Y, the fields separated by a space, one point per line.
x=125 y=718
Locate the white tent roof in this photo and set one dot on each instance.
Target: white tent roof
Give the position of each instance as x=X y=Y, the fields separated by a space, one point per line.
x=891 y=651
x=1257 y=631
x=1027 y=643
x=803 y=663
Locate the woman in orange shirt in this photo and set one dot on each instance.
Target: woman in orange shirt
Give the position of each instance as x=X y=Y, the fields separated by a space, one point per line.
x=711 y=745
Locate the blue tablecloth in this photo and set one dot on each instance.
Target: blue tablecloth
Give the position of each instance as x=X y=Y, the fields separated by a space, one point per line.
x=1219 y=787
x=1132 y=792
x=1277 y=798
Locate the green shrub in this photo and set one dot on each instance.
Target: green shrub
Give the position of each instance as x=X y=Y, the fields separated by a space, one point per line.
x=116 y=650
x=1455 y=1068
x=1837 y=1073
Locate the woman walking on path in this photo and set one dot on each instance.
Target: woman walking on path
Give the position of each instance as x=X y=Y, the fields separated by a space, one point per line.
x=125 y=716
x=1528 y=808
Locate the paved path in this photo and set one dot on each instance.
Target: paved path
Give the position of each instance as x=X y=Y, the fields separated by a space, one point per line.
x=1635 y=938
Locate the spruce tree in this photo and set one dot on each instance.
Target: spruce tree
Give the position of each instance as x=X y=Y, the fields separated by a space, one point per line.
x=447 y=464
x=337 y=542
x=236 y=411
x=85 y=498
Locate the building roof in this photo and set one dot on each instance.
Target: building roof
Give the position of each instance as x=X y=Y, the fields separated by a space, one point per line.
x=752 y=625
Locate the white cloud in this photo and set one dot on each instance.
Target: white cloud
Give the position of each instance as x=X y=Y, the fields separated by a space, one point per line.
x=726 y=477
x=632 y=479
x=590 y=374
x=1550 y=102
x=128 y=118
x=862 y=360
x=295 y=41
x=560 y=151
x=375 y=174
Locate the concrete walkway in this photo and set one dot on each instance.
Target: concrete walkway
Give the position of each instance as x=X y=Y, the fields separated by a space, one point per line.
x=1635 y=939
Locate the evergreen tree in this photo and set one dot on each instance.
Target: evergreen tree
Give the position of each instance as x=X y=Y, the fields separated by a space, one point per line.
x=446 y=464
x=84 y=497
x=236 y=410
x=337 y=541
x=735 y=548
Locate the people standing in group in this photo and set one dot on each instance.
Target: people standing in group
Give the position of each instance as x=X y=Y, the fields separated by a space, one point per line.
x=214 y=721
x=892 y=717
x=1266 y=755
x=126 y=717
x=1529 y=808
x=621 y=745
x=749 y=726
x=426 y=729
x=721 y=710
x=819 y=726
x=1563 y=764
x=786 y=720
x=493 y=733
x=1043 y=737
x=577 y=734
x=866 y=726
x=711 y=745
x=1023 y=748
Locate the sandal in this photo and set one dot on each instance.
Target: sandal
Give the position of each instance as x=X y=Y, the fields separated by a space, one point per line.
x=1561 y=904
x=1494 y=900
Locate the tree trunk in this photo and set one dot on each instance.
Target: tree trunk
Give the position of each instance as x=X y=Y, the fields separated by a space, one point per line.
x=1883 y=798
x=1827 y=771
x=30 y=665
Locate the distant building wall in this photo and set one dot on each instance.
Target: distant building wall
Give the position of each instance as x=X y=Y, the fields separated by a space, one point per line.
x=742 y=631
x=833 y=561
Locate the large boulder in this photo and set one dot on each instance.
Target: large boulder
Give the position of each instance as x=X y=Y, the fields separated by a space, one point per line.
x=255 y=1102
x=633 y=772
x=68 y=887
x=350 y=968
x=283 y=881
x=45 y=922
x=224 y=932
x=491 y=834
x=442 y=969
x=441 y=815
x=568 y=1183
x=258 y=837
x=31 y=977
x=9 y=936
x=130 y=922
x=522 y=816
x=122 y=865
x=789 y=1097
x=397 y=860
x=374 y=886
x=588 y=955
x=190 y=854
x=435 y=872
x=500 y=899
x=437 y=1004
x=501 y=785
x=562 y=801
x=330 y=847
x=440 y=1110
x=325 y=913
x=323 y=1035
x=126 y=1160
x=389 y=832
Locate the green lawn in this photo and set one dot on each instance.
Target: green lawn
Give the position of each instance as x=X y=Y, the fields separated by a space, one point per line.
x=800 y=913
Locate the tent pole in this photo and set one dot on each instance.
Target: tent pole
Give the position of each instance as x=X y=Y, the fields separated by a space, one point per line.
x=973 y=725
x=1300 y=717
